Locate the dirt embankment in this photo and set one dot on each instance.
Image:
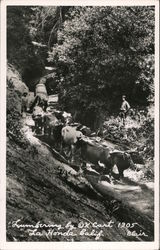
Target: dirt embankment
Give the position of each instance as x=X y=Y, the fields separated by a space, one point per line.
x=48 y=201
x=40 y=188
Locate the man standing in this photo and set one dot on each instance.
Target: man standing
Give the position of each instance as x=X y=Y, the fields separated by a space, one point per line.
x=124 y=108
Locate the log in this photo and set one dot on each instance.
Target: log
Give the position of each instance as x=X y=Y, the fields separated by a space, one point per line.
x=136 y=202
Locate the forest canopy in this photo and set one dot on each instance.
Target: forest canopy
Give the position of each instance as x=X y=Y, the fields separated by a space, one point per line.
x=98 y=53
x=104 y=52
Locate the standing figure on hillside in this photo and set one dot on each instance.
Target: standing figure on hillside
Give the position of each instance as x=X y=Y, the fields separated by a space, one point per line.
x=124 y=109
x=24 y=103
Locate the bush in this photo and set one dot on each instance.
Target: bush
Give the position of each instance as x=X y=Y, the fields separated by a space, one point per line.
x=134 y=134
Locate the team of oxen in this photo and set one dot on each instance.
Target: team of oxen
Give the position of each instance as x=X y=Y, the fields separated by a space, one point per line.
x=59 y=126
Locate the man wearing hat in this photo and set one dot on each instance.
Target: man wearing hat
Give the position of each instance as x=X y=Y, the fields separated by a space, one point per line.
x=124 y=108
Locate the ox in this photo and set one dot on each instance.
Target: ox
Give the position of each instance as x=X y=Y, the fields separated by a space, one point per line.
x=95 y=154
x=38 y=117
x=50 y=122
x=99 y=155
x=122 y=160
x=65 y=117
x=70 y=137
x=53 y=127
x=84 y=129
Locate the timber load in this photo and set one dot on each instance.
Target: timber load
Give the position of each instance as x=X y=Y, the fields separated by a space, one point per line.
x=41 y=91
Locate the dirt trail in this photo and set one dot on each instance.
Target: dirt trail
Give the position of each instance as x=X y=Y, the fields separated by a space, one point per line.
x=134 y=200
x=39 y=190
x=43 y=189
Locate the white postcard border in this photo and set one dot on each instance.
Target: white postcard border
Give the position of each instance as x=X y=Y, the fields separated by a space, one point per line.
x=67 y=245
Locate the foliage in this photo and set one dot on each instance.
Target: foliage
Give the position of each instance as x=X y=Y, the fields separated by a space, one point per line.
x=20 y=50
x=101 y=53
x=45 y=23
x=31 y=31
x=135 y=133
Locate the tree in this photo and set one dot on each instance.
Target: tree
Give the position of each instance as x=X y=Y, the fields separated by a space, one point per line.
x=101 y=53
x=46 y=21
x=20 y=50
x=31 y=31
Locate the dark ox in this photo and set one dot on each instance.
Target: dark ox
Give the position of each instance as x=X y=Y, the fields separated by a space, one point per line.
x=84 y=129
x=122 y=160
x=97 y=154
x=94 y=154
x=38 y=117
x=50 y=122
x=53 y=127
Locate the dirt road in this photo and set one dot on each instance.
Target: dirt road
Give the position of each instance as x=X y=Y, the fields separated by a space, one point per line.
x=41 y=189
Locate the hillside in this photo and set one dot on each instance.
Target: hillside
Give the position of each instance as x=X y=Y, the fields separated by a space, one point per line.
x=99 y=63
x=40 y=188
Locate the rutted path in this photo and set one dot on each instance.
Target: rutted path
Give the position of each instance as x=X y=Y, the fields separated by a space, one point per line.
x=41 y=187
x=134 y=198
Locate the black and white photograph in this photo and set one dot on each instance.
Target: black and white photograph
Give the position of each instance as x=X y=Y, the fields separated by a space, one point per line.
x=81 y=123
